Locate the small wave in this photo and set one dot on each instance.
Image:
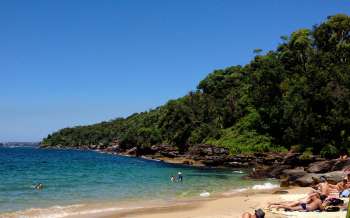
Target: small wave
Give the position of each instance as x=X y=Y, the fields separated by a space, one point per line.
x=238 y=171
x=204 y=194
x=235 y=191
x=61 y=211
x=264 y=186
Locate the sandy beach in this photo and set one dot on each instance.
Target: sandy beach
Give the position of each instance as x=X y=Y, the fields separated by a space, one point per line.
x=223 y=207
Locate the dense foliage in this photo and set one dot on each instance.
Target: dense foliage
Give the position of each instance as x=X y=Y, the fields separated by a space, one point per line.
x=296 y=95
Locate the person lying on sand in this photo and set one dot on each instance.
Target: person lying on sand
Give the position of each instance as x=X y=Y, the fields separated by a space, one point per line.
x=259 y=213
x=314 y=203
x=304 y=200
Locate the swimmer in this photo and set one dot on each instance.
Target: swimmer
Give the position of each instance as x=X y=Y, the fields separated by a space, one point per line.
x=39 y=186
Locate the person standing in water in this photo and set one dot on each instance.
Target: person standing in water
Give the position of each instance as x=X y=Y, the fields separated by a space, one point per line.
x=179 y=177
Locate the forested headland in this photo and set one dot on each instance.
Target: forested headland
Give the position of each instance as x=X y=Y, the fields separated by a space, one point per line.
x=296 y=96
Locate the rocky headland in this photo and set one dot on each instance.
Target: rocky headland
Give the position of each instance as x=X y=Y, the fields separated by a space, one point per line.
x=291 y=168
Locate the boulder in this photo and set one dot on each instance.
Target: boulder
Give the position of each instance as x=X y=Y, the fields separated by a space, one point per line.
x=293 y=174
x=295 y=160
x=170 y=154
x=340 y=165
x=277 y=170
x=131 y=151
x=320 y=166
x=291 y=159
x=259 y=172
x=306 y=180
x=284 y=183
x=214 y=160
x=334 y=177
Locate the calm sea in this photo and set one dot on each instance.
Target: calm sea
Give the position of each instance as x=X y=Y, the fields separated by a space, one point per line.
x=73 y=177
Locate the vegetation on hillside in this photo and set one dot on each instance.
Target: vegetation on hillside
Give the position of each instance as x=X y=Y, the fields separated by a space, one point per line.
x=297 y=94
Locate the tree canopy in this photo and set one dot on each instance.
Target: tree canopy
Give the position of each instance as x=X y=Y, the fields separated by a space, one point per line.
x=297 y=94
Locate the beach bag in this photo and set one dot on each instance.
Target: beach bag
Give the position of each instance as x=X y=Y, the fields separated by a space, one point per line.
x=345 y=193
x=332 y=209
x=335 y=202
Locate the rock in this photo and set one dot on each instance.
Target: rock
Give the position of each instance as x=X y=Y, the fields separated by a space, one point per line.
x=313 y=178
x=340 y=165
x=293 y=174
x=131 y=151
x=236 y=164
x=279 y=192
x=291 y=159
x=170 y=154
x=306 y=180
x=114 y=148
x=284 y=183
x=259 y=172
x=277 y=170
x=295 y=160
x=334 y=177
x=320 y=166
x=214 y=160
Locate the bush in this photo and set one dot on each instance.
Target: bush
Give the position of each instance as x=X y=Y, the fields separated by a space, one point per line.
x=245 y=142
x=307 y=154
x=329 y=151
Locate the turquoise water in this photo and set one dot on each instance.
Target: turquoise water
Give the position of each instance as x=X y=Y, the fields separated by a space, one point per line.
x=73 y=177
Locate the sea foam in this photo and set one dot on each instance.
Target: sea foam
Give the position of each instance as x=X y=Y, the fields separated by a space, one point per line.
x=265 y=186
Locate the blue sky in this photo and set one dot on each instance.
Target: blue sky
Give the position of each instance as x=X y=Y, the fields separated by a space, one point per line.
x=66 y=63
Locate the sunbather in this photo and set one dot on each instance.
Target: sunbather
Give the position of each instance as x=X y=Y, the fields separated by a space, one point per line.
x=305 y=200
x=326 y=188
x=315 y=203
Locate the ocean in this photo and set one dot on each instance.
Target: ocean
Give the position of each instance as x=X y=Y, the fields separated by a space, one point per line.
x=77 y=181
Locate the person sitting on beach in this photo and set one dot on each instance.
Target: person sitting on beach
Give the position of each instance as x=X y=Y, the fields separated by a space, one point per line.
x=259 y=213
x=326 y=188
x=343 y=154
x=341 y=186
x=345 y=192
x=315 y=203
x=348 y=179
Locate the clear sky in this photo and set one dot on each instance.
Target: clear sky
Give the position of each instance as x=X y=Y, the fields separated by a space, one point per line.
x=74 y=62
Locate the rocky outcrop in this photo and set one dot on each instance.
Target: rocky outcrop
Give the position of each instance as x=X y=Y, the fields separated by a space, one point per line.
x=321 y=166
x=291 y=168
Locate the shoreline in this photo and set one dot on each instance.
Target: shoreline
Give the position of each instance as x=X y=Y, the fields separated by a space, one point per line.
x=138 y=207
x=223 y=206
